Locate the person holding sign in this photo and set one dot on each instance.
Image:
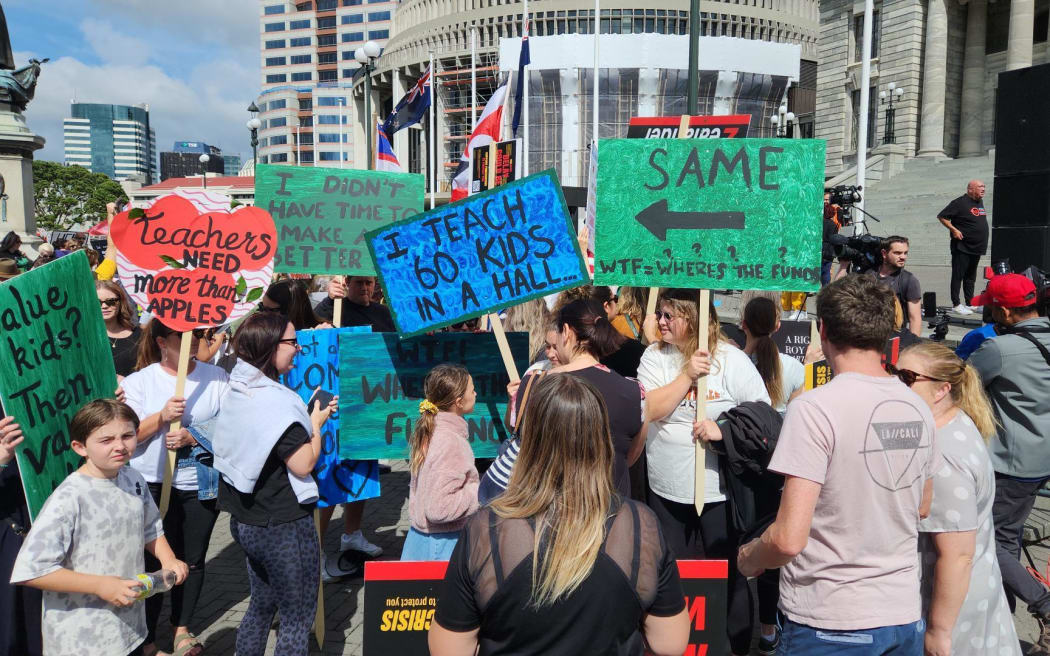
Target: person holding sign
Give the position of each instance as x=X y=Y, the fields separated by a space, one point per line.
x=669 y=370
x=358 y=308
x=444 y=487
x=783 y=375
x=19 y=605
x=85 y=548
x=192 y=508
x=122 y=326
x=606 y=581
x=266 y=447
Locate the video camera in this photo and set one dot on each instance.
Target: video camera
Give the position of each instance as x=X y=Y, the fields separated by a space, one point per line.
x=845 y=196
x=863 y=251
x=939 y=324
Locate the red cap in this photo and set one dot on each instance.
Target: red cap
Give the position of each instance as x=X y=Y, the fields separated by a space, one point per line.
x=1010 y=290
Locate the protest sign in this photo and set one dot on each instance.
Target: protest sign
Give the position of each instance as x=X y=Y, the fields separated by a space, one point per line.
x=733 y=126
x=339 y=480
x=710 y=213
x=401 y=597
x=191 y=262
x=494 y=164
x=820 y=373
x=792 y=338
x=322 y=214
x=382 y=385
x=491 y=250
x=56 y=358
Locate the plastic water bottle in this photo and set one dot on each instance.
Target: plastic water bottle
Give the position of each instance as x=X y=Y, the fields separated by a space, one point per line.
x=155 y=582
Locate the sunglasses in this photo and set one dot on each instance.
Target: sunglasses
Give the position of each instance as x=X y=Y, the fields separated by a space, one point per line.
x=665 y=315
x=909 y=377
x=108 y=302
x=291 y=341
x=263 y=308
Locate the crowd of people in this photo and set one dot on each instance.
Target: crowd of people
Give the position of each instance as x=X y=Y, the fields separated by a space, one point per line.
x=880 y=513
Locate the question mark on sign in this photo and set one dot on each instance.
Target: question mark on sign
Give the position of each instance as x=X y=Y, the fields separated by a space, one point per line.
x=732 y=252
x=667 y=252
x=73 y=315
x=696 y=248
x=783 y=252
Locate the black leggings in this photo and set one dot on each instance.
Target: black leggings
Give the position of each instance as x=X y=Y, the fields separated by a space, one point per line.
x=187 y=527
x=964 y=273
x=710 y=536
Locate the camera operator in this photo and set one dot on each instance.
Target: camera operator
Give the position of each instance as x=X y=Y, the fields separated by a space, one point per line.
x=827 y=249
x=967 y=223
x=905 y=286
x=1015 y=370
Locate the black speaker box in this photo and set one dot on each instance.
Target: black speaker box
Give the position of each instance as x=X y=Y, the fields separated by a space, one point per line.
x=1022 y=124
x=1021 y=200
x=1023 y=247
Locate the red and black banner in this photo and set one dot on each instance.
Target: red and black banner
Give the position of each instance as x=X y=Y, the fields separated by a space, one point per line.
x=732 y=126
x=400 y=598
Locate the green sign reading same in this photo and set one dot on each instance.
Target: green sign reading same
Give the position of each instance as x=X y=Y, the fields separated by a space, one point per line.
x=55 y=358
x=710 y=213
x=323 y=213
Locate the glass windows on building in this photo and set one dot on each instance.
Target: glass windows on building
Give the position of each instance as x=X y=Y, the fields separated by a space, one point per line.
x=350 y=37
x=327 y=137
x=306 y=104
x=379 y=16
x=306 y=121
x=349 y=72
x=325 y=40
x=327 y=76
x=351 y=19
x=351 y=3
x=274 y=27
x=302 y=77
x=278 y=122
x=326 y=23
x=326 y=156
x=276 y=78
x=279 y=140
x=301 y=59
x=326 y=57
x=275 y=61
x=328 y=119
x=276 y=43
x=329 y=101
x=348 y=55
x=299 y=25
x=327 y=5
x=299 y=42
x=278 y=104
x=270 y=10
x=307 y=157
x=379 y=34
x=858 y=34
x=278 y=158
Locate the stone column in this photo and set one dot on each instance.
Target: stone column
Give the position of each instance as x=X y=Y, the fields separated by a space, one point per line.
x=972 y=114
x=931 y=135
x=1022 y=25
x=401 y=83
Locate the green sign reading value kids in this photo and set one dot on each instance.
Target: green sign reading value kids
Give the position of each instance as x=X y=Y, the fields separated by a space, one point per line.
x=710 y=213
x=323 y=213
x=55 y=359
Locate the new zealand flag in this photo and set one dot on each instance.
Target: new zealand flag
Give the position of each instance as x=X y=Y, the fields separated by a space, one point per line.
x=411 y=108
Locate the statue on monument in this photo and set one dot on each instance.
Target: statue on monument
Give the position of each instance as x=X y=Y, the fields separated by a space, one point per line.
x=16 y=86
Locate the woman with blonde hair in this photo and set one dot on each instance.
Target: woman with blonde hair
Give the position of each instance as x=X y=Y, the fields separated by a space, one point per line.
x=561 y=564
x=530 y=317
x=631 y=303
x=444 y=488
x=962 y=589
x=669 y=371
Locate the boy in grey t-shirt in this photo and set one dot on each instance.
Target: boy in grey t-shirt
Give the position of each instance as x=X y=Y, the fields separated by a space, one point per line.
x=85 y=547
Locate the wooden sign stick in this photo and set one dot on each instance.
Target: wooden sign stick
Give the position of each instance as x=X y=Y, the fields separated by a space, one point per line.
x=180 y=389
x=491 y=172
x=699 y=447
x=504 y=347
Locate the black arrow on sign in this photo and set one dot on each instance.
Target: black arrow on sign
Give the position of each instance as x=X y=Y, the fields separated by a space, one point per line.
x=657 y=219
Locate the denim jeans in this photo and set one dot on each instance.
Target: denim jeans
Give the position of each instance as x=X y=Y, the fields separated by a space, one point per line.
x=900 y=640
x=429 y=546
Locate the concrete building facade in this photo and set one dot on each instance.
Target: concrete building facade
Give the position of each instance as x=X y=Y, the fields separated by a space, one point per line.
x=113 y=139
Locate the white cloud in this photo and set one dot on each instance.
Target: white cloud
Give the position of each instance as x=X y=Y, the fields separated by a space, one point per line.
x=111 y=46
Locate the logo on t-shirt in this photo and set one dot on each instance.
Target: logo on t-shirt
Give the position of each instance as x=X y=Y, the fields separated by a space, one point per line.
x=977 y=211
x=895 y=445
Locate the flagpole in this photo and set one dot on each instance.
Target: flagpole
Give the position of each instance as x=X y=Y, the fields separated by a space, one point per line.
x=473 y=79
x=525 y=98
x=594 y=99
x=433 y=136
x=342 y=109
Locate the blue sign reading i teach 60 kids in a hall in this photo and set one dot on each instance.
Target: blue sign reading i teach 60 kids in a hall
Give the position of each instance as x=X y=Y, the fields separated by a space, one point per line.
x=486 y=252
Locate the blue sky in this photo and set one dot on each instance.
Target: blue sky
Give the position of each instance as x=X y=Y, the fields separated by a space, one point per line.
x=196 y=62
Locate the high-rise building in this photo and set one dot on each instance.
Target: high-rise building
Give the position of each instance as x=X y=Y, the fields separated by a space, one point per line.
x=231 y=165
x=113 y=139
x=184 y=160
x=307 y=66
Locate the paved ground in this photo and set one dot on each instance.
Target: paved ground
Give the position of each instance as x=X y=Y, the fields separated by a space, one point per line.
x=225 y=596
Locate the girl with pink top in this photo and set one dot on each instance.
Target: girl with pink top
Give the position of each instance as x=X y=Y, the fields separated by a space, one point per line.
x=444 y=488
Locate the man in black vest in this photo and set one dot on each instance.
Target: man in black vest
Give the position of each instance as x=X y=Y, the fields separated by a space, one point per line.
x=967 y=223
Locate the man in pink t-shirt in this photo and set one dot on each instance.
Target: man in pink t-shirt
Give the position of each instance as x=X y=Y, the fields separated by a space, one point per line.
x=857 y=455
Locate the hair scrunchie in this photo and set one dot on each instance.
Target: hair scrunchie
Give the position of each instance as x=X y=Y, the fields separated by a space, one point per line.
x=426 y=407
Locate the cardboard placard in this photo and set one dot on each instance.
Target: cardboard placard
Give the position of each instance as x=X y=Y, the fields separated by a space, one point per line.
x=339 y=480
x=322 y=214
x=507 y=165
x=488 y=251
x=401 y=597
x=793 y=338
x=191 y=262
x=56 y=358
x=710 y=213
x=382 y=385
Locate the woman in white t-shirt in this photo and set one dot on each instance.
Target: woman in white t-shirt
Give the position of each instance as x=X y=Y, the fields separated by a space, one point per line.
x=668 y=371
x=783 y=375
x=192 y=510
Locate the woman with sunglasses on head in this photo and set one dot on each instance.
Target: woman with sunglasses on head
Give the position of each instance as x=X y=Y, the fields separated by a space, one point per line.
x=266 y=448
x=192 y=510
x=122 y=326
x=962 y=590
x=290 y=298
x=669 y=370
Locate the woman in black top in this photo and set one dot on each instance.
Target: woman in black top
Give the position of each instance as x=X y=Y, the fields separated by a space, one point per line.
x=605 y=581
x=122 y=326
x=266 y=446
x=623 y=354
x=19 y=604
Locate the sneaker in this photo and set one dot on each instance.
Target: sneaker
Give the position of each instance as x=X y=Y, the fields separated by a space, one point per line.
x=769 y=647
x=340 y=565
x=962 y=309
x=357 y=542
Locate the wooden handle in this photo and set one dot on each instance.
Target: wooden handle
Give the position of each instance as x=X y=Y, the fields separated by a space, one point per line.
x=337 y=312
x=180 y=390
x=504 y=347
x=701 y=404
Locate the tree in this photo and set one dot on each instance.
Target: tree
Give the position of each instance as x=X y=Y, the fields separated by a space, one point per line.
x=64 y=196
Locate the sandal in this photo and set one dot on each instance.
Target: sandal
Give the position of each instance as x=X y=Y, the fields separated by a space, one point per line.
x=187 y=644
